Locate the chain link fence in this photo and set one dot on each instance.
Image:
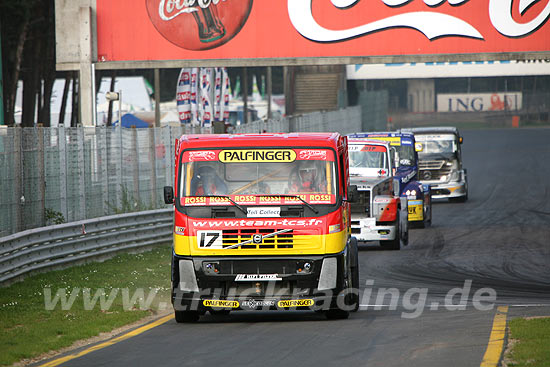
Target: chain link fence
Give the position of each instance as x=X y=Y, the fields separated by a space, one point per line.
x=59 y=175
x=345 y=121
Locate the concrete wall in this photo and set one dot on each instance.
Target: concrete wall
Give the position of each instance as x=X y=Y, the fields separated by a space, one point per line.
x=421 y=95
x=67 y=31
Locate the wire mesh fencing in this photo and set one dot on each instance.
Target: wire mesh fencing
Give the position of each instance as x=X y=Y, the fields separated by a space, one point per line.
x=344 y=121
x=58 y=175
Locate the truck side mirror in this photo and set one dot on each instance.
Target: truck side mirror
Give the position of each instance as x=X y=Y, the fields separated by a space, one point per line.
x=353 y=194
x=168 y=195
x=396 y=188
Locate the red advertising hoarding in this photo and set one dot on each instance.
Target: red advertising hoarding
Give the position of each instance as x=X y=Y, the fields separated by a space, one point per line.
x=152 y=30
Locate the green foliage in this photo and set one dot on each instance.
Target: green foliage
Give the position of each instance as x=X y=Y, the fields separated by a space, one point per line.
x=28 y=329
x=532 y=338
x=53 y=217
x=128 y=203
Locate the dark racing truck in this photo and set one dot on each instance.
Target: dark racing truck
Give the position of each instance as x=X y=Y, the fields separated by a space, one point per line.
x=440 y=162
x=262 y=222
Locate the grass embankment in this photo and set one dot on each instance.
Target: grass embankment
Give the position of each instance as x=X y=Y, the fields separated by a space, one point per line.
x=52 y=310
x=530 y=343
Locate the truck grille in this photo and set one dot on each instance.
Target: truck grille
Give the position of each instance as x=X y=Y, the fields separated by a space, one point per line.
x=433 y=170
x=433 y=175
x=362 y=205
x=425 y=165
x=232 y=237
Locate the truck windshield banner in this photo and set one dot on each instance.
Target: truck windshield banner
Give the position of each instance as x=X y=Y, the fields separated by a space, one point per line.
x=245 y=29
x=264 y=176
x=257 y=155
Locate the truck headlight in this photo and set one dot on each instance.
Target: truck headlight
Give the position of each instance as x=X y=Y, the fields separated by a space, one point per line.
x=411 y=193
x=188 y=281
x=329 y=271
x=455 y=175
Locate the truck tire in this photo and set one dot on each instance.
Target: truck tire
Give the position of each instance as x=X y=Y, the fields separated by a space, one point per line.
x=355 y=275
x=395 y=243
x=186 y=316
x=220 y=312
x=429 y=210
x=427 y=222
x=352 y=298
x=337 y=314
x=460 y=199
x=403 y=224
x=402 y=236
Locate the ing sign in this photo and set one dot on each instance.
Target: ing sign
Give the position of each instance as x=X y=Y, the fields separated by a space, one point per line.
x=478 y=102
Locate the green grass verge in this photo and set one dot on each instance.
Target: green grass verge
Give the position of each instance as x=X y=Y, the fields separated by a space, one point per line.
x=532 y=343
x=130 y=286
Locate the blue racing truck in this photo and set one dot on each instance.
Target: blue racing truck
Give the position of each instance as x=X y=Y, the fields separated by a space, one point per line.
x=418 y=195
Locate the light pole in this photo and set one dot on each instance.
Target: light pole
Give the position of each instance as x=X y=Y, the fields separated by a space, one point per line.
x=1 y=84
x=116 y=96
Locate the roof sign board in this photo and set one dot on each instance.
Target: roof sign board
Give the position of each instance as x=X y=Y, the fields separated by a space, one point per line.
x=242 y=29
x=449 y=69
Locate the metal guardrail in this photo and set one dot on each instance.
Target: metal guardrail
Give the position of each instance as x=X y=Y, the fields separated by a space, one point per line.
x=57 y=245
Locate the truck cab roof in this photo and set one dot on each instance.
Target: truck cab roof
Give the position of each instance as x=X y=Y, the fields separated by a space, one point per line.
x=368 y=141
x=432 y=130
x=382 y=134
x=262 y=140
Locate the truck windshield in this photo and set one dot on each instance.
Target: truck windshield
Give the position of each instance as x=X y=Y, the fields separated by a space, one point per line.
x=256 y=176
x=437 y=144
x=406 y=155
x=368 y=160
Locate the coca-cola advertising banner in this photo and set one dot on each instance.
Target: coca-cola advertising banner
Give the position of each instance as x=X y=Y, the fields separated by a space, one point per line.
x=132 y=30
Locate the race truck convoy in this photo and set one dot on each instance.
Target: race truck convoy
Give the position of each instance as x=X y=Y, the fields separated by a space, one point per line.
x=418 y=195
x=262 y=221
x=379 y=214
x=440 y=162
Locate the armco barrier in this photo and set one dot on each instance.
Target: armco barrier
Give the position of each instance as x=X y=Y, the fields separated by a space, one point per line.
x=54 y=246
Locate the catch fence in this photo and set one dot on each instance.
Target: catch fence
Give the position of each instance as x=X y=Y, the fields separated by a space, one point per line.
x=59 y=175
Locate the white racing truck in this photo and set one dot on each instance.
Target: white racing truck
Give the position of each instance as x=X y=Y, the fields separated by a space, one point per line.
x=379 y=214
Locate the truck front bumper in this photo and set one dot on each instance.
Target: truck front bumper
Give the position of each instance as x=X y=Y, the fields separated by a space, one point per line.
x=259 y=283
x=448 y=190
x=366 y=229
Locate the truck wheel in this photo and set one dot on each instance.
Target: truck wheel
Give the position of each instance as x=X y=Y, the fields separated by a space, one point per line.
x=352 y=283
x=391 y=245
x=427 y=222
x=430 y=211
x=403 y=228
x=355 y=287
x=460 y=199
x=186 y=316
x=354 y=276
x=337 y=314
x=220 y=312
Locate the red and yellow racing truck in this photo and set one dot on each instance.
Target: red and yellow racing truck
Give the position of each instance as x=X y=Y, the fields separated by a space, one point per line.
x=262 y=222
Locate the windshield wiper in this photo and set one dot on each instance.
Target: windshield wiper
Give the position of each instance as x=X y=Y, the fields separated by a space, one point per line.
x=296 y=197
x=228 y=198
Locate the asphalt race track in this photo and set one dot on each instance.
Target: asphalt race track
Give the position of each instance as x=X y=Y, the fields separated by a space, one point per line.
x=499 y=239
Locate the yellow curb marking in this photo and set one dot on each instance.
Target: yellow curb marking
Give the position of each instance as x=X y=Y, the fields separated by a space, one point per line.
x=132 y=333
x=496 y=340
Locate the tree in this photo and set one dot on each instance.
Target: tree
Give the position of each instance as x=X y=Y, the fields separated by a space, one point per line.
x=28 y=45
